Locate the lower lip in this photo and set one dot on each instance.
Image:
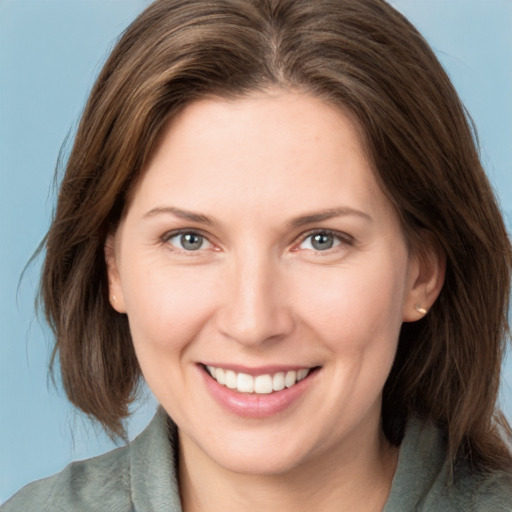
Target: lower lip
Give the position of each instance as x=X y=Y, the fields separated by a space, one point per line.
x=249 y=405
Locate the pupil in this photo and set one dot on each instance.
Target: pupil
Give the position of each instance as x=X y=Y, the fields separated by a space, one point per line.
x=322 y=241
x=191 y=241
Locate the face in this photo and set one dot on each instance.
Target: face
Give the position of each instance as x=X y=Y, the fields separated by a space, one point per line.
x=265 y=277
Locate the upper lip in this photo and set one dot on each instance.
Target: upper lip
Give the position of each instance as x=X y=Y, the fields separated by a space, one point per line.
x=258 y=370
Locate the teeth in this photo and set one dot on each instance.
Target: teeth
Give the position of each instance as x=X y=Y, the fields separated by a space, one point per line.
x=301 y=374
x=244 y=383
x=220 y=375
x=278 y=381
x=231 y=380
x=261 y=384
x=290 y=379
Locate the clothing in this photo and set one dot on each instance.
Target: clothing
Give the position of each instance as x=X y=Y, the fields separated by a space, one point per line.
x=141 y=477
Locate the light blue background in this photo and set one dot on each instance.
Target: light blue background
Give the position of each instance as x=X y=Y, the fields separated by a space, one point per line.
x=50 y=53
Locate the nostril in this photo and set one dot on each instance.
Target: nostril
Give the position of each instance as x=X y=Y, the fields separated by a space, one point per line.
x=255 y=326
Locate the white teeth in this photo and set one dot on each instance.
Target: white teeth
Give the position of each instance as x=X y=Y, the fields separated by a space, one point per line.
x=302 y=373
x=261 y=384
x=231 y=379
x=290 y=379
x=220 y=375
x=245 y=383
x=278 y=381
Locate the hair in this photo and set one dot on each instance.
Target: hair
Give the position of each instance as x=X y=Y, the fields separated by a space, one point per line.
x=363 y=57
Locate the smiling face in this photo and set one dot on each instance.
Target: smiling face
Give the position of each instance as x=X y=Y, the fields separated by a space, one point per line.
x=265 y=277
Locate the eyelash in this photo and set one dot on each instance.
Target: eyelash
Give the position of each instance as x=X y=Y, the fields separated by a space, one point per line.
x=172 y=234
x=342 y=239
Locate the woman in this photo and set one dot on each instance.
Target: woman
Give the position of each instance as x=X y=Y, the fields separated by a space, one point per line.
x=274 y=212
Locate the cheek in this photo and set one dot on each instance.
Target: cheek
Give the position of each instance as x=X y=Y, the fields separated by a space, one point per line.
x=167 y=308
x=166 y=312
x=353 y=307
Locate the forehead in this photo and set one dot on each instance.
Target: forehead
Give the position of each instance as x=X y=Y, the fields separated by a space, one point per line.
x=278 y=149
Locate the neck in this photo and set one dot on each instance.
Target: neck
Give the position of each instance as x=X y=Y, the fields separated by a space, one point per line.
x=351 y=477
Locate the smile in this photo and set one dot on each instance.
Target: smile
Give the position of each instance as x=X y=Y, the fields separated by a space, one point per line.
x=259 y=384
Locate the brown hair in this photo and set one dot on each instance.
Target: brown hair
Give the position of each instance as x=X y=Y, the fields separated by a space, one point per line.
x=362 y=56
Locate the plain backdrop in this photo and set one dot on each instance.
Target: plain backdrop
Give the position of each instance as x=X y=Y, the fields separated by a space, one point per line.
x=50 y=53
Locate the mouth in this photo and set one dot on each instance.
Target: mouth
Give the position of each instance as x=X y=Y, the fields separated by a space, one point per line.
x=263 y=384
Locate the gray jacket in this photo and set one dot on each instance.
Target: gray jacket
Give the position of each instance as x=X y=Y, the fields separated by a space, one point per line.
x=141 y=477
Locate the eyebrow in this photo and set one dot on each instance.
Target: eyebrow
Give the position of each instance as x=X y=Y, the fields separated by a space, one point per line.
x=331 y=213
x=298 y=222
x=183 y=214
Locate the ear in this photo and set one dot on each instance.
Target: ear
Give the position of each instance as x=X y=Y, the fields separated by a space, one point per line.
x=115 y=290
x=426 y=277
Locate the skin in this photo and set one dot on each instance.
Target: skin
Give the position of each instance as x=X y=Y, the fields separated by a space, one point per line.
x=257 y=293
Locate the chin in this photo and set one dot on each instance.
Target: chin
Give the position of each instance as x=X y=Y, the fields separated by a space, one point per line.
x=259 y=451
x=268 y=462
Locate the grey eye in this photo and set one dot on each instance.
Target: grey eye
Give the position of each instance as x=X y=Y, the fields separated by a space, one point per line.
x=191 y=241
x=321 y=241
x=188 y=241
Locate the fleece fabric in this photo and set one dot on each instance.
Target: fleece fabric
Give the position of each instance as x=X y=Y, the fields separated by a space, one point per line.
x=141 y=477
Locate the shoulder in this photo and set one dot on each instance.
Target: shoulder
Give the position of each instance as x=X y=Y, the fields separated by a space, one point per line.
x=423 y=480
x=80 y=487
x=140 y=476
x=477 y=492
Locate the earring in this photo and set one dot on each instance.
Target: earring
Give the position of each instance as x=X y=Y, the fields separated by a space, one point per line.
x=114 y=298
x=419 y=309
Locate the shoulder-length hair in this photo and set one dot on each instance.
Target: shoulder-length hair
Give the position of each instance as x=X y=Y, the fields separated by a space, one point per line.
x=363 y=57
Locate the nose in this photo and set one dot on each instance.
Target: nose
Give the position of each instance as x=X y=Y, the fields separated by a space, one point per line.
x=256 y=309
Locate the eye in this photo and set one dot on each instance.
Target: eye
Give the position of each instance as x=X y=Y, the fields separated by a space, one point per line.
x=188 y=241
x=322 y=241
